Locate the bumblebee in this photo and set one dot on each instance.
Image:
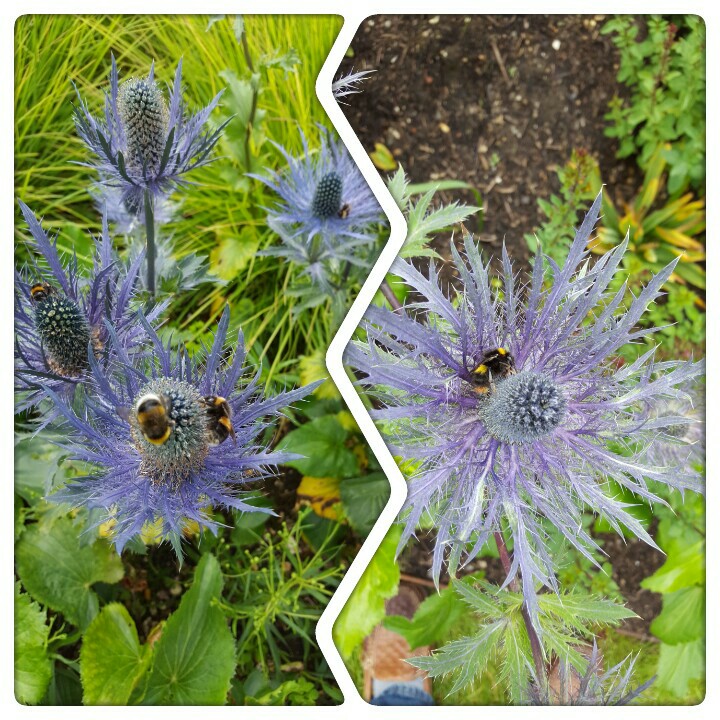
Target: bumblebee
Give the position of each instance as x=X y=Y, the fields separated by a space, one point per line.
x=497 y=363
x=41 y=291
x=153 y=416
x=219 y=423
x=344 y=211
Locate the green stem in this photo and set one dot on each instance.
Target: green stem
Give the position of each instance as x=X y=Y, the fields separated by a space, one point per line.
x=535 y=645
x=253 y=102
x=150 y=235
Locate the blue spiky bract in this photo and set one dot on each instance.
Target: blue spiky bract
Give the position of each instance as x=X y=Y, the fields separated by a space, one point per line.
x=144 y=142
x=542 y=444
x=314 y=187
x=135 y=483
x=52 y=338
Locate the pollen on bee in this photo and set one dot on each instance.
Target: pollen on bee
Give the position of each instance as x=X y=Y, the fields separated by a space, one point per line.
x=480 y=369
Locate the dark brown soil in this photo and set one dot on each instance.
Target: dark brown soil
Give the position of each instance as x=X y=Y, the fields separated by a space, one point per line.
x=496 y=101
x=499 y=102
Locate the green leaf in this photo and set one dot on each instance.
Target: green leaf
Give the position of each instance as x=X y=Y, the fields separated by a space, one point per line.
x=33 y=667
x=681 y=569
x=37 y=468
x=232 y=254
x=576 y=607
x=465 y=658
x=194 y=659
x=682 y=618
x=435 y=617
x=679 y=664
x=111 y=658
x=440 y=185
x=59 y=572
x=322 y=443
x=366 y=606
x=364 y=499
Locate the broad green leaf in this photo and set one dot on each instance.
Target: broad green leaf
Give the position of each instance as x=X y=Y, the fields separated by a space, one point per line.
x=322 y=443
x=364 y=499
x=37 y=468
x=58 y=571
x=233 y=254
x=194 y=659
x=682 y=618
x=435 y=617
x=679 y=664
x=33 y=667
x=111 y=658
x=681 y=569
x=366 y=606
x=383 y=158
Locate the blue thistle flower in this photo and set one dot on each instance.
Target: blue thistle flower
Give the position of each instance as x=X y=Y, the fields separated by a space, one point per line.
x=151 y=430
x=349 y=84
x=59 y=314
x=145 y=142
x=595 y=686
x=323 y=193
x=539 y=439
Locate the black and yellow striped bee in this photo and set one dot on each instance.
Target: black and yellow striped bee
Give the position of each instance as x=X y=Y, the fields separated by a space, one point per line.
x=497 y=363
x=41 y=291
x=344 y=211
x=219 y=424
x=153 y=416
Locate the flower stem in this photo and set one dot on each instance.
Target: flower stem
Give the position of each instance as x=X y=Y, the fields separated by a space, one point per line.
x=515 y=587
x=253 y=103
x=150 y=235
x=390 y=296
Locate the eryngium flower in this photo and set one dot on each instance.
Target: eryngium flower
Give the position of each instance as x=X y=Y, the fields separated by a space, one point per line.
x=175 y=462
x=540 y=442
x=323 y=193
x=349 y=84
x=566 y=686
x=145 y=142
x=68 y=314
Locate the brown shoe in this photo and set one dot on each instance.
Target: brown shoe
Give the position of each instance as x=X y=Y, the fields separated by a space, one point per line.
x=385 y=652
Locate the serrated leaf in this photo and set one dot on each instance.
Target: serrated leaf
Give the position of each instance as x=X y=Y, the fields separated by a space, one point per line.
x=682 y=618
x=111 y=658
x=364 y=499
x=58 y=571
x=435 y=616
x=322 y=443
x=194 y=659
x=482 y=597
x=576 y=607
x=465 y=658
x=33 y=667
x=366 y=606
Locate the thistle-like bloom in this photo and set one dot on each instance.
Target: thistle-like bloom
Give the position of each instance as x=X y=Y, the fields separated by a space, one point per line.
x=538 y=441
x=349 y=84
x=566 y=686
x=145 y=141
x=323 y=193
x=170 y=437
x=60 y=315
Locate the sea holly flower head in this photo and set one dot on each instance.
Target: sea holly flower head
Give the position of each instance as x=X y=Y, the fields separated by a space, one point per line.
x=513 y=408
x=144 y=141
x=170 y=437
x=323 y=193
x=60 y=315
